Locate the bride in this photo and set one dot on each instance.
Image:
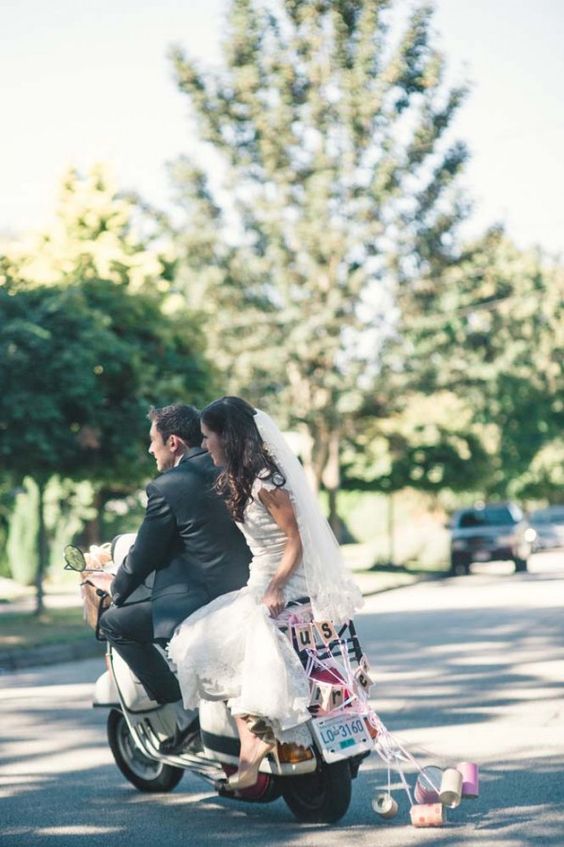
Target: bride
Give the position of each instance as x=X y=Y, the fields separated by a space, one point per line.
x=231 y=649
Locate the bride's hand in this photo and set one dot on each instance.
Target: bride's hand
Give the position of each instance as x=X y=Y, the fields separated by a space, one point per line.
x=274 y=600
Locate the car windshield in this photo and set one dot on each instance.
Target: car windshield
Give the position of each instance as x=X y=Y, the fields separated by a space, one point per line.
x=500 y=516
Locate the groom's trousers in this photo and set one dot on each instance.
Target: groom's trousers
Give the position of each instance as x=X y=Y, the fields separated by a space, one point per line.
x=129 y=629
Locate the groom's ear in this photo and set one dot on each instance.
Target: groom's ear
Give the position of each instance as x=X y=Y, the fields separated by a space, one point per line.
x=176 y=444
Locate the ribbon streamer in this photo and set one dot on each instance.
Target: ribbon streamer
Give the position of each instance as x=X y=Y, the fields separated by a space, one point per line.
x=340 y=674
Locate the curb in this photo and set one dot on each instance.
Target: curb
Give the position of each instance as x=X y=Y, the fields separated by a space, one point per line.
x=50 y=654
x=368 y=591
x=89 y=648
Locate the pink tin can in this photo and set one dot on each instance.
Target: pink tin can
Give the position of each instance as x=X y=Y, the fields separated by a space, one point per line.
x=470 y=779
x=428 y=785
x=427 y=814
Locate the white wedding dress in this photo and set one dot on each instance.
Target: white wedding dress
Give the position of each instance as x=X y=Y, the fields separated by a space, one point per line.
x=232 y=650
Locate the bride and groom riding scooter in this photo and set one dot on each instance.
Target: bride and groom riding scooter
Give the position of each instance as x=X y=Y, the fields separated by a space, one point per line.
x=147 y=742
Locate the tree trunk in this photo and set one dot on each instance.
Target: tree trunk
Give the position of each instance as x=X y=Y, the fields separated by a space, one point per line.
x=306 y=455
x=93 y=529
x=332 y=481
x=320 y=457
x=42 y=549
x=391 y=529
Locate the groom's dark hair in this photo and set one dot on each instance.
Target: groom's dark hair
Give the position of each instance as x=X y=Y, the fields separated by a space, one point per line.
x=178 y=419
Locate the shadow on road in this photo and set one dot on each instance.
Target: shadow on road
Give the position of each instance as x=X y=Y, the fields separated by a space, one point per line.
x=453 y=675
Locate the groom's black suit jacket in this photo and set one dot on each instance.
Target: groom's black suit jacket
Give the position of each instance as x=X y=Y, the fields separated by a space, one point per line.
x=189 y=540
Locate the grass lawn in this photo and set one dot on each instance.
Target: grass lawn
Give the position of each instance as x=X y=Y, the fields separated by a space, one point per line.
x=22 y=630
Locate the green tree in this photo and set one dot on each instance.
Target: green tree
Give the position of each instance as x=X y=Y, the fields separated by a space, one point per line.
x=97 y=232
x=490 y=331
x=7 y=499
x=67 y=506
x=339 y=181
x=430 y=443
x=82 y=362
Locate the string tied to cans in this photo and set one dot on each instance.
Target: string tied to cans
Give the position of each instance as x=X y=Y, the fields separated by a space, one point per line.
x=435 y=789
x=338 y=683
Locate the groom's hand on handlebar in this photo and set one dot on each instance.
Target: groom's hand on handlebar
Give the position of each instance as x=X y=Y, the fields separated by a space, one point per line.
x=102 y=581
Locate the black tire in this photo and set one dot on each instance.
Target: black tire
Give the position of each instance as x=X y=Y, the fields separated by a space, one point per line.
x=459 y=564
x=320 y=797
x=144 y=773
x=520 y=565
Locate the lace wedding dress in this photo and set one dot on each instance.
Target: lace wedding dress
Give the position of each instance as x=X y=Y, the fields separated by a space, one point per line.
x=232 y=650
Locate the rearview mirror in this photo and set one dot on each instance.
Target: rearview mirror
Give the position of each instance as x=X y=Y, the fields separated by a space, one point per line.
x=74 y=558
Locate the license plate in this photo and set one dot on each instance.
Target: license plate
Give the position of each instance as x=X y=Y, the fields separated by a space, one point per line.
x=481 y=556
x=341 y=736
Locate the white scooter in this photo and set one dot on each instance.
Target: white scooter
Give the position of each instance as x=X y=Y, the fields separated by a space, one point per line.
x=315 y=782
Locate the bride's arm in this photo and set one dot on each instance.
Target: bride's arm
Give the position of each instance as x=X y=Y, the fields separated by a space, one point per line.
x=279 y=505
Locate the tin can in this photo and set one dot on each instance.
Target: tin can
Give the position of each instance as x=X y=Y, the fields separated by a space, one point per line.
x=428 y=785
x=451 y=788
x=470 y=779
x=385 y=806
x=427 y=814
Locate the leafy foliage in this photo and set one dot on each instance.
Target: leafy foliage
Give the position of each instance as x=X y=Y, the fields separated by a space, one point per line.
x=83 y=362
x=97 y=233
x=339 y=185
x=88 y=343
x=490 y=331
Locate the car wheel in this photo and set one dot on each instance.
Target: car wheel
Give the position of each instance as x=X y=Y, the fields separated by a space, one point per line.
x=520 y=565
x=459 y=564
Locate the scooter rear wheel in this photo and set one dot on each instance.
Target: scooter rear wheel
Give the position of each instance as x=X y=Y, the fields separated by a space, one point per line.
x=144 y=773
x=320 y=797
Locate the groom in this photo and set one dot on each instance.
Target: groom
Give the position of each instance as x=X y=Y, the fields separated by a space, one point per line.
x=195 y=550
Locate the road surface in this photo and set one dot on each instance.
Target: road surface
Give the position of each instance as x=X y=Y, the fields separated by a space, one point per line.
x=470 y=668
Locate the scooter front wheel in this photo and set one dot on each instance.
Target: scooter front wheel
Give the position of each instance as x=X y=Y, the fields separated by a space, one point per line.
x=320 y=797
x=144 y=773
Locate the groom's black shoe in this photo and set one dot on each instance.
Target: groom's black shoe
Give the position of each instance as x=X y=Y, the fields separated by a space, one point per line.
x=187 y=739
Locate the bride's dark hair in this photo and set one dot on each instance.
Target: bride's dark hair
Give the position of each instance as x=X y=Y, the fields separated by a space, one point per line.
x=246 y=455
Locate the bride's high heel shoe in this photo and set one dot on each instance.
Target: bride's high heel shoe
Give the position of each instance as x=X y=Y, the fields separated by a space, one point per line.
x=247 y=775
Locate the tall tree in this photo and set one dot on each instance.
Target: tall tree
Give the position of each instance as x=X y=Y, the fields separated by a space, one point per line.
x=338 y=183
x=89 y=355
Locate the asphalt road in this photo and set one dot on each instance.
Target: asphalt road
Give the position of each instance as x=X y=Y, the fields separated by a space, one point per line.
x=470 y=668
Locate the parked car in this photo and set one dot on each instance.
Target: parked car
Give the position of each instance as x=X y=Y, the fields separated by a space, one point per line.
x=490 y=532
x=549 y=527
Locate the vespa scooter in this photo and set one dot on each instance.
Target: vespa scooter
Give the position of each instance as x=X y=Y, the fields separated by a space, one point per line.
x=315 y=782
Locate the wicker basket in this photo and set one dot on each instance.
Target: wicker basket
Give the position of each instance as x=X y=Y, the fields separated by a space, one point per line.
x=93 y=604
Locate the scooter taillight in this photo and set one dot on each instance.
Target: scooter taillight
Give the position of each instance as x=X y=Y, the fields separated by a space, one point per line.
x=291 y=754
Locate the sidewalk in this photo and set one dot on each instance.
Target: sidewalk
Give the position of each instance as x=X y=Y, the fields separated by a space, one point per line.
x=16 y=599
x=369 y=582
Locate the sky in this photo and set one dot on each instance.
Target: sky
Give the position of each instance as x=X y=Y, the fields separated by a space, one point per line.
x=84 y=82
